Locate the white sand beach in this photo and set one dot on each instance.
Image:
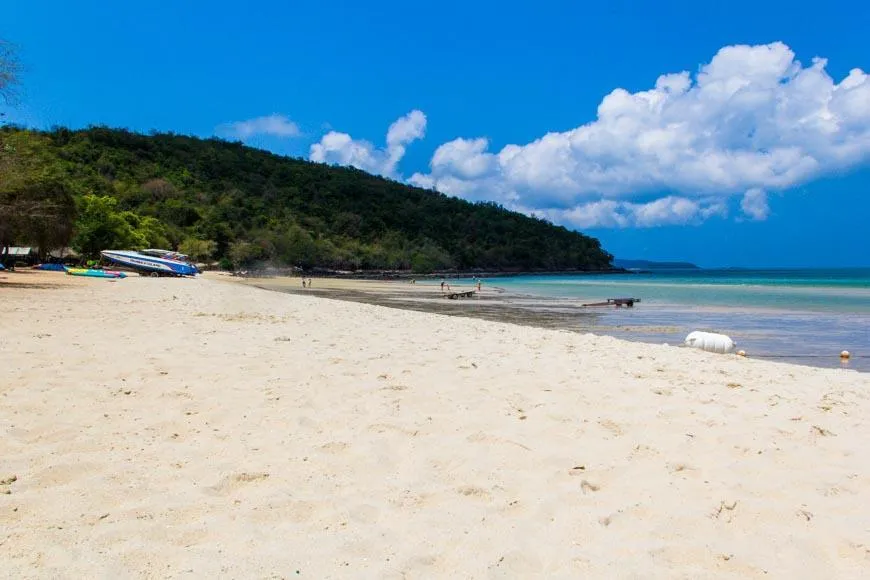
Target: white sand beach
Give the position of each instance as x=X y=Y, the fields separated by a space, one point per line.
x=155 y=428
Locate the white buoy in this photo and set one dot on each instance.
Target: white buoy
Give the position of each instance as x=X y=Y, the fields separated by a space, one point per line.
x=710 y=342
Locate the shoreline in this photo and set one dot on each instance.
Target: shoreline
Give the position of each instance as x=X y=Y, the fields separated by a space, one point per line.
x=662 y=323
x=167 y=427
x=385 y=275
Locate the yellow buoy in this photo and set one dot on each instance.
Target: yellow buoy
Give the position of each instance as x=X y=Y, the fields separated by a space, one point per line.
x=845 y=355
x=741 y=353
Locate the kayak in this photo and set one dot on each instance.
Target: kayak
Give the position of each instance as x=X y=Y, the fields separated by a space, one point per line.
x=95 y=273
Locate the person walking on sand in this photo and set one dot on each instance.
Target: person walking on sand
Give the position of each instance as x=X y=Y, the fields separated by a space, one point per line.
x=303 y=282
x=478 y=285
x=442 y=286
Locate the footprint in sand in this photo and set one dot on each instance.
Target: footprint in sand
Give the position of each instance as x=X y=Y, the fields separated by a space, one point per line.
x=611 y=426
x=474 y=492
x=57 y=475
x=334 y=447
x=384 y=428
x=238 y=480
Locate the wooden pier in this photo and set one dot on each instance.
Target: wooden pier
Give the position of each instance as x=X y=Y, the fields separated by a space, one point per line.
x=616 y=302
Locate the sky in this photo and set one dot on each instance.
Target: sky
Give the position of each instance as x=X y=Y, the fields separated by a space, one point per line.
x=728 y=135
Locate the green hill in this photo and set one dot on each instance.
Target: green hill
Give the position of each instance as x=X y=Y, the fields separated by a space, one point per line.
x=218 y=200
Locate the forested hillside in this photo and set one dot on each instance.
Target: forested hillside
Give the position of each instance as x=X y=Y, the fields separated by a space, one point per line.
x=217 y=200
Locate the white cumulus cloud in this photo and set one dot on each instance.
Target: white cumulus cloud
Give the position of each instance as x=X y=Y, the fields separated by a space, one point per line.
x=342 y=149
x=752 y=120
x=609 y=213
x=275 y=125
x=754 y=204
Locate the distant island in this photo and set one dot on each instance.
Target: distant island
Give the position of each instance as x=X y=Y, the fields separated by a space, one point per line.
x=650 y=265
x=225 y=203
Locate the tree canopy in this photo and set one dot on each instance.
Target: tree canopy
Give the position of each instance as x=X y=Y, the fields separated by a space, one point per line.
x=218 y=200
x=36 y=203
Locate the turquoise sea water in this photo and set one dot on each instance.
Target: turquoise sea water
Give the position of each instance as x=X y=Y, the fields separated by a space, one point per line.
x=804 y=316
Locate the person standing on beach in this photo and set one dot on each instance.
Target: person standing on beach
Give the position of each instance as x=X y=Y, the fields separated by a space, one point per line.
x=303 y=282
x=442 y=285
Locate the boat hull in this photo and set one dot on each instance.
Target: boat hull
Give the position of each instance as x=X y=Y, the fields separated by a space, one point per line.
x=149 y=264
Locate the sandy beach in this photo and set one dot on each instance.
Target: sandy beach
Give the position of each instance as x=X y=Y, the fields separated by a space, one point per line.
x=162 y=428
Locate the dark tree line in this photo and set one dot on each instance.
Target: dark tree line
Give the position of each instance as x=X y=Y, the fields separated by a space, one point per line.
x=225 y=201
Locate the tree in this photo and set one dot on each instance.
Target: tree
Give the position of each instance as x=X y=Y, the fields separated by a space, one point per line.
x=36 y=204
x=37 y=210
x=199 y=250
x=151 y=230
x=101 y=227
x=245 y=254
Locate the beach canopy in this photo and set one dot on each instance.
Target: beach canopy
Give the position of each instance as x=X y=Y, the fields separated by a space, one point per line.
x=19 y=251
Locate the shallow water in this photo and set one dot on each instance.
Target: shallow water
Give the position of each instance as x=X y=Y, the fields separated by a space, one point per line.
x=802 y=316
x=799 y=316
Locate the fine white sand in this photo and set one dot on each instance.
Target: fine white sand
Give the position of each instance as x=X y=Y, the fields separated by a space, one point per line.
x=194 y=428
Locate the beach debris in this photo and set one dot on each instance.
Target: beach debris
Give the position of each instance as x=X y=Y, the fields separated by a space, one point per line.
x=710 y=342
x=822 y=431
x=587 y=485
x=6 y=481
x=845 y=355
x=741 y=353
x=678 y=467
x=805 y=514
x=617 y=302
x=577 y=470
x=733 y=385
x=724 y=507
x=248 y=477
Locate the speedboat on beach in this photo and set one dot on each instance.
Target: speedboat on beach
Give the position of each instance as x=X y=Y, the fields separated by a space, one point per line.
x=150 y=264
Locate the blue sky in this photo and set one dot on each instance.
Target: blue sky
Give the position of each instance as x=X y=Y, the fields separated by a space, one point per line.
x=759 y=156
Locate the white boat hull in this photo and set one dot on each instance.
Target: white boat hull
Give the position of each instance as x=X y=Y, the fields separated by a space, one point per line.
x=151 y=264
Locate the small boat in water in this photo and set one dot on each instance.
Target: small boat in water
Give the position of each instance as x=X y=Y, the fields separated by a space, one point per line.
x=92 y=273
x=150 y=264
